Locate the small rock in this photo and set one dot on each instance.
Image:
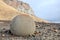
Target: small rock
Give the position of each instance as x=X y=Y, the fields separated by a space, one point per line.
x=3 y=35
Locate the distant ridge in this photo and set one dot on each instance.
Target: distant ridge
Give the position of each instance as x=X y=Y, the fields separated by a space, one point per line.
x=8 y=12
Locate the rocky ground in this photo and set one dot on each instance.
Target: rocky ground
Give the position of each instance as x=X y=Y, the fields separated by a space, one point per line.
x=46 y=31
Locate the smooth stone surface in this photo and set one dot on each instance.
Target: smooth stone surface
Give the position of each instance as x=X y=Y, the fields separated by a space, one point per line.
x=23 y=25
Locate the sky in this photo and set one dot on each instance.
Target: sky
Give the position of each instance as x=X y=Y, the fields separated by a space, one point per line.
x=46 y=9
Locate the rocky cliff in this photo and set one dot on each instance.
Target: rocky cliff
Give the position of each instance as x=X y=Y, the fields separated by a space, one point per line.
x=10 y=8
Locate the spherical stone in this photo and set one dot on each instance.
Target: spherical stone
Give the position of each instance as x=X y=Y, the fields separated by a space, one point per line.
x=23 y=25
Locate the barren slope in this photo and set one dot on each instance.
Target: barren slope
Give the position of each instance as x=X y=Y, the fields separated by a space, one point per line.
x=37 y=19
x=8 y=13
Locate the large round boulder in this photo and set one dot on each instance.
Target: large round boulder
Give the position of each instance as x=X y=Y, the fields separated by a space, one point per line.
x=22 y=24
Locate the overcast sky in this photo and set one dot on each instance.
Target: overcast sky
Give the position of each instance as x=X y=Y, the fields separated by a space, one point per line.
x=46 y=9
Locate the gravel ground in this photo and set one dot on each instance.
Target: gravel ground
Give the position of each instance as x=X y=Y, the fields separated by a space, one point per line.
x=45 y=31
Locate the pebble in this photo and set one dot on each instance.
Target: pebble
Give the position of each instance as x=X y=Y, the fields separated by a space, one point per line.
x=45 y=32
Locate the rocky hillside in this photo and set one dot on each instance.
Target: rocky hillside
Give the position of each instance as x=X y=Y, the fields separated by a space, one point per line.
x=20 y=6
x=7 y=12
x=10 y=8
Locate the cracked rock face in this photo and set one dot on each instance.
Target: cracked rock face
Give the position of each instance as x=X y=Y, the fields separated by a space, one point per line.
x=23 y=25
x=20 y=6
